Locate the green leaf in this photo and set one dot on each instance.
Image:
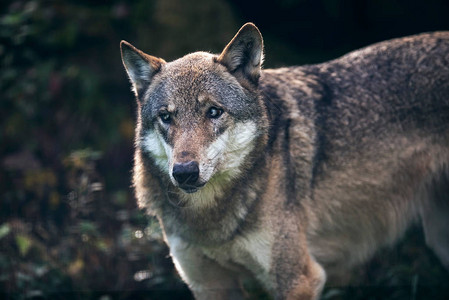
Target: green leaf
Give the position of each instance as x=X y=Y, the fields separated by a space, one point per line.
x=12 y=19
x=24 y=244
x=86 y=227
x=4 y=230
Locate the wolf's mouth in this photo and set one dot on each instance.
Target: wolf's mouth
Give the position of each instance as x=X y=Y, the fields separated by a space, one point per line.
x=190 y=189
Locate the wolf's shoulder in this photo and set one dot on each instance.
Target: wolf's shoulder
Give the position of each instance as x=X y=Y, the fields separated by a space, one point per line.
x=403 y=78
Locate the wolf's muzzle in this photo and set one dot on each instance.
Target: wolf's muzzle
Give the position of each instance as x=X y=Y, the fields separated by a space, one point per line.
x=186 y=174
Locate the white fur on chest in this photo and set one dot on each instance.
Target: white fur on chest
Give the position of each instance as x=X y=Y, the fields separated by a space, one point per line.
x=206 y=269
x=251 y=250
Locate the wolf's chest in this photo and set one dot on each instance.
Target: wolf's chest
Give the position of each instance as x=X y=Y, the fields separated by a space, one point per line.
x=251 y=251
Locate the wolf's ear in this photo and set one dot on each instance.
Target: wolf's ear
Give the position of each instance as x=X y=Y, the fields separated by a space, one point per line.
x=244 y=53
x=140 y=67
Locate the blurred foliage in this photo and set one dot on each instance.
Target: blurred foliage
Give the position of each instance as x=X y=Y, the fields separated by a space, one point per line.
x=69 y=226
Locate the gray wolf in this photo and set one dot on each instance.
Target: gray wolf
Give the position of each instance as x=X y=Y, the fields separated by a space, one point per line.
x=290 y=176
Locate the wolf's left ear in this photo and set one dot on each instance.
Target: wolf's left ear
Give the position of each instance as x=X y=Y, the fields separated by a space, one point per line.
x=244 y=53
x=140 y=67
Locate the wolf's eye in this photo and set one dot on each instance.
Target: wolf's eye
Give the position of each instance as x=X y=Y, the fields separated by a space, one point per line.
x=165 y=117
x=214 y=112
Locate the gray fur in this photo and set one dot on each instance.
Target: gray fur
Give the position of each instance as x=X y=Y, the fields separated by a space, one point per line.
x=346 y=155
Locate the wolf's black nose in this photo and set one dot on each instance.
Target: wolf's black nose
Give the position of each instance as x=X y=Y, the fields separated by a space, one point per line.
x=186 y=173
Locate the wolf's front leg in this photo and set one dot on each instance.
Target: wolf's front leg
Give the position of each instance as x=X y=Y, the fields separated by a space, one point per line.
x=294 y=272
x=206 y=278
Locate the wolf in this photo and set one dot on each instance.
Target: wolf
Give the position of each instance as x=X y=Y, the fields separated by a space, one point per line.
x=294 y=175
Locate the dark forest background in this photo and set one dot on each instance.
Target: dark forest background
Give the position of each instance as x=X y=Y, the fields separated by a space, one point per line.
x=69 y=226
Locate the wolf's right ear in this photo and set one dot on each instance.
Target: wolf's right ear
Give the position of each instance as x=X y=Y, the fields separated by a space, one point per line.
x=140 y=67
x=244 y=53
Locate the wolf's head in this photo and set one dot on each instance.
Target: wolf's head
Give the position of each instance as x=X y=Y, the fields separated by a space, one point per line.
x=199 y=116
